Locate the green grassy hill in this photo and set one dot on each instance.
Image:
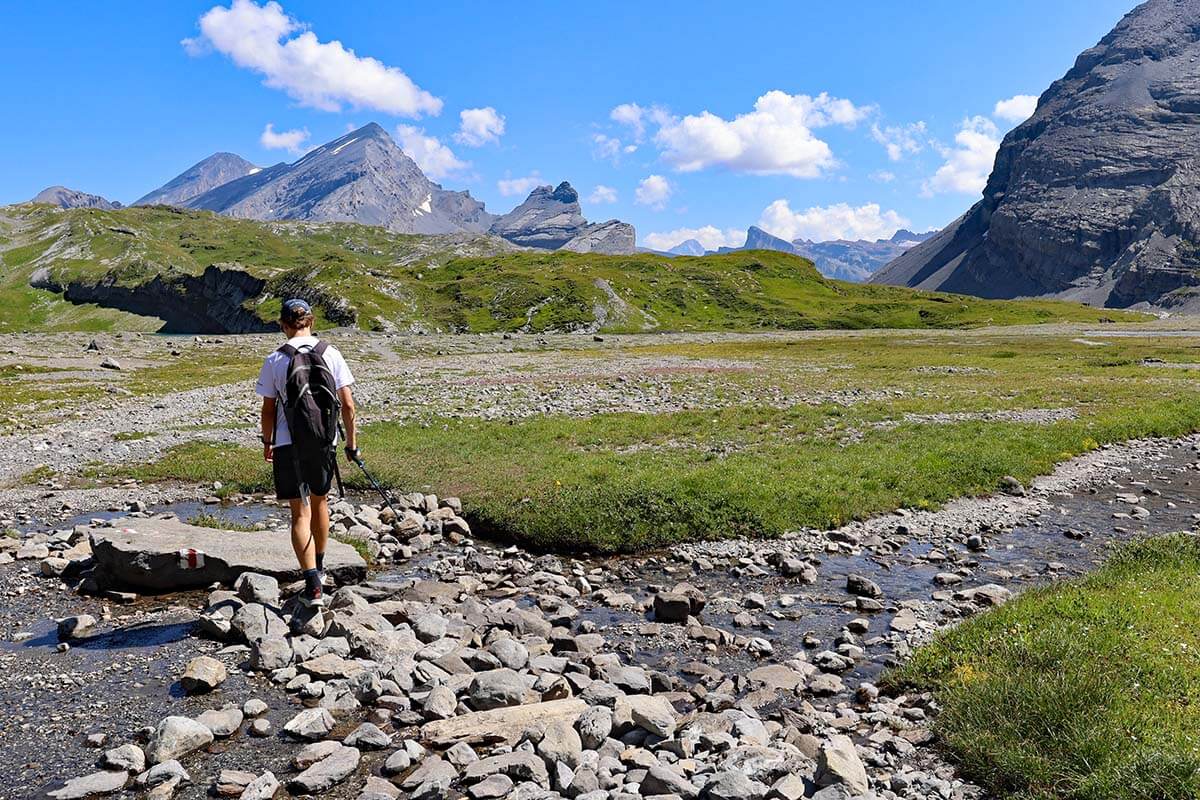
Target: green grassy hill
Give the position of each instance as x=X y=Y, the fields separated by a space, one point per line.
x=93 y=269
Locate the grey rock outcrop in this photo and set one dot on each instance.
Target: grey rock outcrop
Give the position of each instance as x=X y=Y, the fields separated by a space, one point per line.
x=1094 y=197
x=214 y=171
x=167 y=554
x=63 y=197
x=611 y=238
x=361 y=177
x=551 y=219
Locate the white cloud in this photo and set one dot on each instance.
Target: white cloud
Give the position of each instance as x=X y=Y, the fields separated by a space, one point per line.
x=653 y=191
x=478 y=126
x=1017 y=108
x=513 y=186
x=608 y=148
x=900 y=140
x=710 y=236
x=883 y=176
x=968 y=163
x=434 y=158
x=775 y=138
x=292 y=141
x=636 y=117
x=323 y=75
x=602 y=194
x=822 y=223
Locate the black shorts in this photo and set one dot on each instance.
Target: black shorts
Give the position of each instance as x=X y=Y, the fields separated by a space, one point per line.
x=314 y=470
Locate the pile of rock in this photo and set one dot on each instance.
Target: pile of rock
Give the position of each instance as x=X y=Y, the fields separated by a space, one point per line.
x=411 y=524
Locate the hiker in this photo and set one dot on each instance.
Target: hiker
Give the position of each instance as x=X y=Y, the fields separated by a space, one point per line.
x=305 y=386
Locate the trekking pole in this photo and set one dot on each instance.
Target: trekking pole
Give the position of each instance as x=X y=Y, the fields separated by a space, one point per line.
x=371 y=478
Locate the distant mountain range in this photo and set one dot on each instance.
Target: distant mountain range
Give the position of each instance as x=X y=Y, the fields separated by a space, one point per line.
x=1094 y=197
x=365 y=177
x=840 y=258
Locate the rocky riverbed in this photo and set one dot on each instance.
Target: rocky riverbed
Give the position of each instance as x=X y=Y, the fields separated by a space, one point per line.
x=462 y=667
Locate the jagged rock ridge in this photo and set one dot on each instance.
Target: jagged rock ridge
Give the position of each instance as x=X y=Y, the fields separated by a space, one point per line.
x=1095 y=197
x=217 y=169
x=551 y=218
x=63 y=197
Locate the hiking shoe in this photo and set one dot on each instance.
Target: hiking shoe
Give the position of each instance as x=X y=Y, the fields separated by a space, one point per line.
x=313 y=597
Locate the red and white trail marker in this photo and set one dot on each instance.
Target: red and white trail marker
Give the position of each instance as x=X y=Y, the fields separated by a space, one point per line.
x=191 y=558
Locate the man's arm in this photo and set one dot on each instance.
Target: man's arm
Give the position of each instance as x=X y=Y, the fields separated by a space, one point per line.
x=268 y=426
x=347 y=398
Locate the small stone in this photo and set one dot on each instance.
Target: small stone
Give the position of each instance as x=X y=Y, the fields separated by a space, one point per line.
x=97 y=783
x=223 y=722
x=203 y=674
x=326 y=773
x=595 y=725
x=671 y=607
x=128 y=757
x=264 y=787
x=311 y=724
x=493 y=787
x=496 y=688
x=863 y=587
x=76 y=627
x=368 y=736
x=653 y=713
x=175 y=737
x=254 y=707
x=1011 y=486
x=838 y=763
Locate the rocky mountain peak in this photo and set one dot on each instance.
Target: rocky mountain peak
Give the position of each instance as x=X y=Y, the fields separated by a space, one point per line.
x=206 y=174
x=63 y=197
x=1093 y=198
x=758 y=239
x=362 y=176
x=552 y=219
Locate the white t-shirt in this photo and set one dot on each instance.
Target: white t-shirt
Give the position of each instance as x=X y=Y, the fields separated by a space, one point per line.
x=272 y=380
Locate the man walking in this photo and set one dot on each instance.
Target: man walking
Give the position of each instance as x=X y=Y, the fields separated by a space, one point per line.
x=305 y=387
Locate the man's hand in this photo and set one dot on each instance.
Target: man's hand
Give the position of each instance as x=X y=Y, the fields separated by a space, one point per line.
x=268 y=452
x=353 y=455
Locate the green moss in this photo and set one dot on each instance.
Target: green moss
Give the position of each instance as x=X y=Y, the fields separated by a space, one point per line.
x=220 y=522
x=1088 y=690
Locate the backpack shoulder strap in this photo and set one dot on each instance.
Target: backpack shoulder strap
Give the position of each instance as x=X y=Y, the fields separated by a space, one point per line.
x=320 y=347
x=287 y=350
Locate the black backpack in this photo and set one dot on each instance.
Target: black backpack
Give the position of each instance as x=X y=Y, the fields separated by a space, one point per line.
x=311 y=404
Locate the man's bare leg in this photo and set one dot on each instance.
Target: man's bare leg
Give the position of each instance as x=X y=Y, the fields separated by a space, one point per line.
x=302 y=533
x=320 y=528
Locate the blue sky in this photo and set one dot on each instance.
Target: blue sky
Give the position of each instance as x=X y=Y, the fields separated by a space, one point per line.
x=685 y=118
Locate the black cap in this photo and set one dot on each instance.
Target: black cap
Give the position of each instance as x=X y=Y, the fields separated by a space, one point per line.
x=295 y=309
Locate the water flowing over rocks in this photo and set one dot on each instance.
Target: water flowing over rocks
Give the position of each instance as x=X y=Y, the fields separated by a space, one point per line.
x=464 y=668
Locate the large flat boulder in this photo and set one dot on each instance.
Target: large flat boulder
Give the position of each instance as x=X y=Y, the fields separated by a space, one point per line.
x=501 y=725
x=164 y=554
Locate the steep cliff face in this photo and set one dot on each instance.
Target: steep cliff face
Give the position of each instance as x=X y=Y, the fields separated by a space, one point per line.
x=1094 y=197
x=216 y=301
